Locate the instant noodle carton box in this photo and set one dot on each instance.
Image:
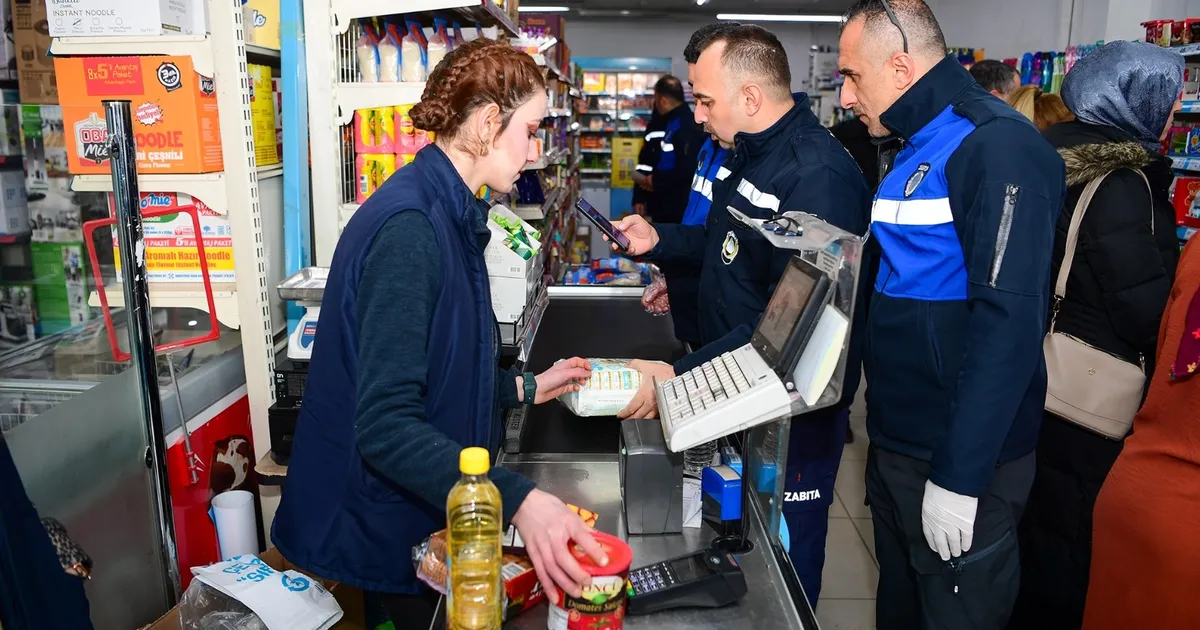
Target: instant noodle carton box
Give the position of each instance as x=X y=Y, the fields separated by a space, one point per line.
x=170 y=241
x=175 y=121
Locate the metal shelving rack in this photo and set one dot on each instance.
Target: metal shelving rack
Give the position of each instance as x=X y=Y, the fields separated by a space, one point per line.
x=251 y=197
x=334 y=92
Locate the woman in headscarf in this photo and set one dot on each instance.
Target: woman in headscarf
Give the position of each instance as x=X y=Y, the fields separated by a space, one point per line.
x=1147 y=518
x=1123 y=96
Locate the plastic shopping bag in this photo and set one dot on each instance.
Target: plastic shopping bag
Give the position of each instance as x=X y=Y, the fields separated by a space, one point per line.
x=282 y=600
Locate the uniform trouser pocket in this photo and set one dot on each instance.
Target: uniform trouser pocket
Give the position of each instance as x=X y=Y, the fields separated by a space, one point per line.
x=976 y=590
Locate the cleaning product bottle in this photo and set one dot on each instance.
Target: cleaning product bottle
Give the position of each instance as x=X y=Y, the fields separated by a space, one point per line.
x=300 y=342
x=473 y=515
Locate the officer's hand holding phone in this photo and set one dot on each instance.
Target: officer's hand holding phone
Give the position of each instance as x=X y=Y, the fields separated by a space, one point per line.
x=642 y=236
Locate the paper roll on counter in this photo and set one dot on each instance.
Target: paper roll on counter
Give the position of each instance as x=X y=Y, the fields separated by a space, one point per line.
x=237 y=529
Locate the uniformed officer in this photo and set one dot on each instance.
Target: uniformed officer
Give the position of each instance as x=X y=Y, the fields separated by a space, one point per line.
x=782 y=159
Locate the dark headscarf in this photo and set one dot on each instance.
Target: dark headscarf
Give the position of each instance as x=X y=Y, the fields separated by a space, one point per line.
x=1128 y=85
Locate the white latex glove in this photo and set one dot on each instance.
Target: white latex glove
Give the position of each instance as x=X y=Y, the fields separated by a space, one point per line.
x=948 y=520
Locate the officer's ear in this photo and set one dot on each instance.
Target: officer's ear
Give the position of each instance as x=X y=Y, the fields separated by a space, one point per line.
x=752 y=98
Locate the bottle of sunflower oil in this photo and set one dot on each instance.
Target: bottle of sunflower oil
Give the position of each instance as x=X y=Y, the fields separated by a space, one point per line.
x=473 y=520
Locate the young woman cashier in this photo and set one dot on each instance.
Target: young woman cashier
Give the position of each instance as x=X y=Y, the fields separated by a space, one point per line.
x=405 y=374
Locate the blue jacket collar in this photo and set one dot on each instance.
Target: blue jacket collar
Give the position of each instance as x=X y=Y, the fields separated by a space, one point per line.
x=764 y=141
x=468 y=210
x=925 y=100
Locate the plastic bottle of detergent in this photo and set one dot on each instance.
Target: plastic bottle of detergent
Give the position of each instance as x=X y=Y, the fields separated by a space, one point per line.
x=475 y=598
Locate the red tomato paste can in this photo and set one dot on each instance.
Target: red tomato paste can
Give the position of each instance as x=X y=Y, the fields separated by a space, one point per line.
x=601 y=606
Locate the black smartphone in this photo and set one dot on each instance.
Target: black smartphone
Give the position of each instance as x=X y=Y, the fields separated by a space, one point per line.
x=603 y=223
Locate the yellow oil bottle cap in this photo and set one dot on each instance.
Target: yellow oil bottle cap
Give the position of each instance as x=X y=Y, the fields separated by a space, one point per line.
x=474 y=461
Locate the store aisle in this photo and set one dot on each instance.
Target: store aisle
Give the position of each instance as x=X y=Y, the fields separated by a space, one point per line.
x=851 y=570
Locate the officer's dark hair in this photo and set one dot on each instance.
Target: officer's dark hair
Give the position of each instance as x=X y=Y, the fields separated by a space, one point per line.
x=995 y=76
x=920 y=26
x=700 y=38
x=754 y=52
x=669 y=87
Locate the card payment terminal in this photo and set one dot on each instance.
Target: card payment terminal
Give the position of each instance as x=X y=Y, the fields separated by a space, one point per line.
x=705 y=579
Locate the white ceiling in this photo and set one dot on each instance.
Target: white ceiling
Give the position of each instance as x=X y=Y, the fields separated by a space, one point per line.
x=667 y=8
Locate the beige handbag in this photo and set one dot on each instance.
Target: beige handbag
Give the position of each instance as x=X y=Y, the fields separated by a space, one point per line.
x=1087 y=386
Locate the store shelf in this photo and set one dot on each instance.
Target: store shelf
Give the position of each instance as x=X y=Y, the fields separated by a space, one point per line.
x=558 y=113
x=595 y=171
x=198 y=47
x=351 y=96
x=1189 y=50
x=538 y=213
x=262 y=54
x=1190 y=107
x=209 y=187
x=554 y=71
x=484 y=12
x=179 y=296
x=596 y=151
x=548 y=160
x=1185 y=163
x=535 y=322
x=576 y=92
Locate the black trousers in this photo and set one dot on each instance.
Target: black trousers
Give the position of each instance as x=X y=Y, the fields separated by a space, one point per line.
x=410 y=612
x=917 y=589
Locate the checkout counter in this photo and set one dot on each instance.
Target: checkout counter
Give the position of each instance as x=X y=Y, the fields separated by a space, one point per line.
x=577 y=459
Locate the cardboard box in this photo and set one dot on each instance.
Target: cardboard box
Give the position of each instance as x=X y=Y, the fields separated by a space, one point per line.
x=116 y=18
x=262 y=115
x=509 y=296
x=175 y=120
x=348 y=597
x=14 y=206
x=31 y=39
x=170 y=241
x=260 y=23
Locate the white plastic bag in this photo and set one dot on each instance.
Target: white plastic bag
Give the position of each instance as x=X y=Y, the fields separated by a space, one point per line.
x=612 y=385
x=283 y=600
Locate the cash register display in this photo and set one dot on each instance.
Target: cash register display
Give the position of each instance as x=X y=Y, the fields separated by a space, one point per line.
x=791 y=314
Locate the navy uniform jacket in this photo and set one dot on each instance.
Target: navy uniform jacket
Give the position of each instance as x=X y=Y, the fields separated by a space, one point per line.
x=796 y=164
x=647 y=158
x=676 y=165
x=965 y=224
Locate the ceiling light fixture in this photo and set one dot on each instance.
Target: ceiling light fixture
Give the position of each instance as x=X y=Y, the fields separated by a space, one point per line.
x=701 y=3
x=626 y=12
x=536 y=9
x=778 y=17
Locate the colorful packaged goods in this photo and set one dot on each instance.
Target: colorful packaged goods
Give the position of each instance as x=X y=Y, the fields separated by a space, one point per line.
x=175 y=121
x=262 y=115
x=1183 y=197
x=409 y=139
x=170 y=241
x=375 y=130
x=372 y=171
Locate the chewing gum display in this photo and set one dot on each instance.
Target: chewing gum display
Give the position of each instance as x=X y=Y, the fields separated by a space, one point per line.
x=612 y=385
x=175 y=120
x=375 y=130
x=372 y=171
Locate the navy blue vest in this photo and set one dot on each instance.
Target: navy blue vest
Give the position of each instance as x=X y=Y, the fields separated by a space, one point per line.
x=338 y=518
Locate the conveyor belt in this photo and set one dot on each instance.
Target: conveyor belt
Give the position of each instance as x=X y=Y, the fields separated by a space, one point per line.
x=601 y=328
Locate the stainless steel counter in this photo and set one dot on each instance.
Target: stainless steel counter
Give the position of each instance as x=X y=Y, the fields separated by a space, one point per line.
x=591 y=481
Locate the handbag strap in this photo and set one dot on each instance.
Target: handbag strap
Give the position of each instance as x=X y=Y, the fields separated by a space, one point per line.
x=1081 y=206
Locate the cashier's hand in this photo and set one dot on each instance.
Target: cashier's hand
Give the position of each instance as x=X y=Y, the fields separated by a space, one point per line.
x=548 y=529
x=642 y=236
x=562 y=377
x=644 y=403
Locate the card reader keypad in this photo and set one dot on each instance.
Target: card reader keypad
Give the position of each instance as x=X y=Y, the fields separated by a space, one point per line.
x=652 y=578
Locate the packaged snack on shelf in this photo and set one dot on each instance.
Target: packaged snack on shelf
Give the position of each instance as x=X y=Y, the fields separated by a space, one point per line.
x=109 y=18
x=260 y=22
x=175 y=121
x=170 y=240
x=375 y=130
x=615 y=263
x=262 y=115
x=612 y=385
x=389 y=58
x=439 y=44
x=1183 y=197
x=372 y=171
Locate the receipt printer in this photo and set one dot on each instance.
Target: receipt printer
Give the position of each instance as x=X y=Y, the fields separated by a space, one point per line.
x=651 y=480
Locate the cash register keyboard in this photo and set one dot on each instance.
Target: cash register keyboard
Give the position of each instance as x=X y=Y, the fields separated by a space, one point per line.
x=733 y=391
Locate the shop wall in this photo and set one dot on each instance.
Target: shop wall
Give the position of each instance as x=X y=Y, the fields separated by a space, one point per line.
x=667 y=38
